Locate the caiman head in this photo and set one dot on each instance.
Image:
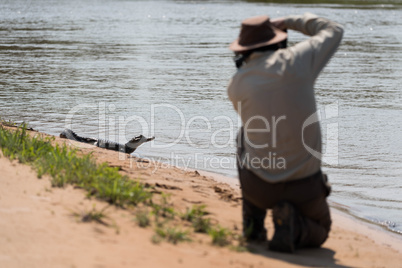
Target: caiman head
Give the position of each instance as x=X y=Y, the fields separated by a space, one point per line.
x=137 y=141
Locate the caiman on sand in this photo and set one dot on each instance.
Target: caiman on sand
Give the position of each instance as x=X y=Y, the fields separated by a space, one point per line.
x=127 y=148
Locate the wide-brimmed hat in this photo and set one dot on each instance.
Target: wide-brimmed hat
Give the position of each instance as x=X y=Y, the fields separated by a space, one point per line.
x=257 y=32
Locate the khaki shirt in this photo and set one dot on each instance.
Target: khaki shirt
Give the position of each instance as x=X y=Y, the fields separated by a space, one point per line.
x=273 y=92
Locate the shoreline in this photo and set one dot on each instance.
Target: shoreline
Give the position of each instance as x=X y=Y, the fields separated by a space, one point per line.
x=37 y=229
x=338 y=214
x=376 y=232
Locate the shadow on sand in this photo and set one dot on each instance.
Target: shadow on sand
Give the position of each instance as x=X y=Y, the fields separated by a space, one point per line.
x=318 y=257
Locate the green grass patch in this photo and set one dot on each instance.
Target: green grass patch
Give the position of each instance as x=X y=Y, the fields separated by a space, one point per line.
x=8 y=123
x=66 y=167
x=195 y=215
x=142 y=218
x=201 y=225
x=171 y=234
x=220 y=236
x=163 y=208
x=194 y=212
x=93 y=215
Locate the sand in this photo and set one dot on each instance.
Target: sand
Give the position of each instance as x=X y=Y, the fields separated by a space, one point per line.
x=39 y=226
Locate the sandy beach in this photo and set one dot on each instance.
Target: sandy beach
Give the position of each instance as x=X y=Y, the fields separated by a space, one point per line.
x=38 y=227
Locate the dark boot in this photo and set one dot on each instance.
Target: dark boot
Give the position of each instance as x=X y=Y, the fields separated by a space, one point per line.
x=286 y=229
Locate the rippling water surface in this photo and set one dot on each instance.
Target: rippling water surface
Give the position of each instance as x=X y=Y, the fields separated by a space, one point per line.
x=114 y=69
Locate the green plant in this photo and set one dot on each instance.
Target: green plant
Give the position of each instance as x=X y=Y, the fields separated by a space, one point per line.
x=195 y=215
x=156 y=239
x=18 y=145
x=220 y=236
x=142 y=218
x=239 y=248
x=98 y=216
x=201 y=225
x=195 y=211
x=66 y=167
x=7 y=123
x=163 y=208
x=241 y=244
x=172 y=234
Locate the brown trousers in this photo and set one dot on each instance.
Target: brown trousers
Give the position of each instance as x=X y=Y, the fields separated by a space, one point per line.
x=308 y=195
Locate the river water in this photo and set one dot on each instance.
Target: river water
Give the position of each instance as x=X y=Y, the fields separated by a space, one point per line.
x=115 y=69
